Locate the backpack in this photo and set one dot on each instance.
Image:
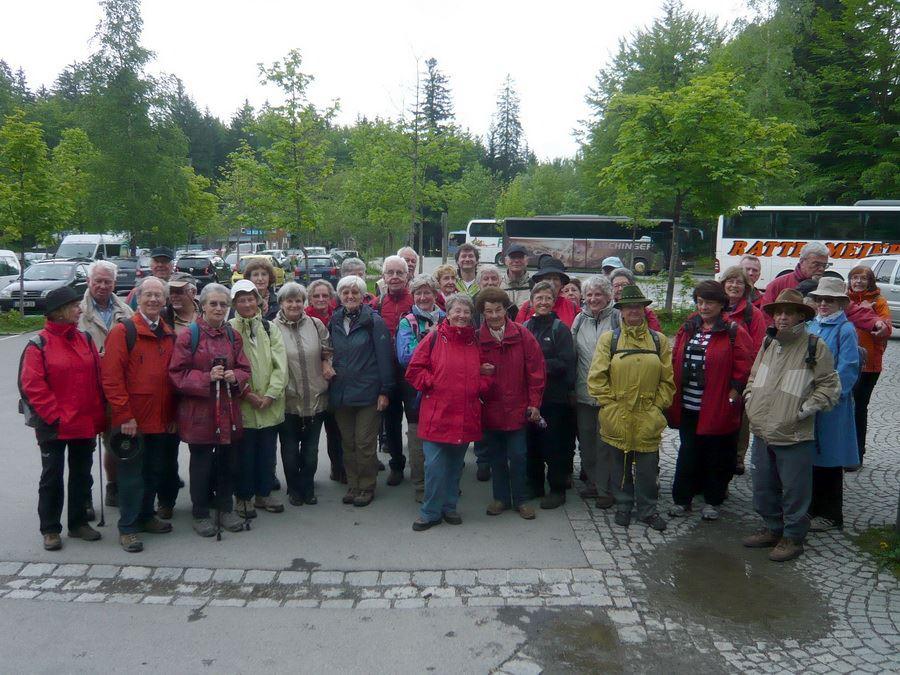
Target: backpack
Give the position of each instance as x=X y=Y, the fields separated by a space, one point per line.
x=229 y=331
x=614 y=322
x=413 y=322
x=812 y=341
x=131 y=333
x=614 y=345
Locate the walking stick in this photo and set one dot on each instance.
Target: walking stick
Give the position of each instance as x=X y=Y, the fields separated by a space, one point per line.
x=102 y=522
x=218 y=446
x=234 y=429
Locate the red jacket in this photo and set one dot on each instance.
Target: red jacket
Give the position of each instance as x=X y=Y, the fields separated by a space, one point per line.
x=197 y=414
x=518 y=381
x=393 y=307
x=563 y=308
x=137 y=385
x=324 y=317
x=652 y=321
x=778 y=284
x=727 y=367
x=756 y=326
x=445 y=368
x=61 y=383
x=864 y=319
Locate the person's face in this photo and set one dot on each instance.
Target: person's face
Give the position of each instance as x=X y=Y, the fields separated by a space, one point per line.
x=859 y=283
x=573 y=293
x=542 y=302
x=260 y=279
x=494 y=315
x=753 y=270
x=596 y=300
x=395 y=276
x=411 y=262
x=607 y=270
x=448 y=284
x=515 y=263
x=101 y=284
x=490 y=279
x=618 y=284
x=467 y=260
x=709 y=310
x=320 y=298
x=813 y=266
x=215 y=309
x=785 y=317
x=70 y=313
x=459 y=315
x=424 y=298
x=555 y=281
x=734 y=288
x=246 y=305
x=152 y=300
x=351 y=298
x=181 y=297
x=161 y=267
x=633 y=315
x=826 y=306
x=292 y=307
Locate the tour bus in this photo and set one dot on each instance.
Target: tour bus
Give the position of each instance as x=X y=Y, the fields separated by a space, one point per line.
x=454 y=239
x=582 y=242
x=93 y=246
x=775 y=234
x=487 y=237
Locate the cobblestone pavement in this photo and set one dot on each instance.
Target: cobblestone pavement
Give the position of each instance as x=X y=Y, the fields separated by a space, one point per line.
x=692 y=588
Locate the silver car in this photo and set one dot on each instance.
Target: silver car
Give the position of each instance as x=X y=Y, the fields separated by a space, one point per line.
x=887 y=276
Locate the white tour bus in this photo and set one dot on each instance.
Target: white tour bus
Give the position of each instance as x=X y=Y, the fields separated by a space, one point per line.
x=775 y=234
x=93 y=246
x=487 y=237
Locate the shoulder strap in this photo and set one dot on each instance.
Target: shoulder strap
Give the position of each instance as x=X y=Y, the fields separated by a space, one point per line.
x=194 y=328
x=768 y=340
x=229 y=331
x=413 y=324
x=811 y=344
x=265 y=323
x=748 y=313
x=130 y=333
x=615 y=320
x=614 y=343
x=655 y=336
x=576 y=325
x=732 y=331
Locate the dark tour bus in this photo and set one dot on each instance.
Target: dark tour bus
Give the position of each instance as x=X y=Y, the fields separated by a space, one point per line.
x=582 y=242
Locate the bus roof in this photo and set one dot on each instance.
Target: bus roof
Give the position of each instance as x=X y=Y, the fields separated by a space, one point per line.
x=795 y=207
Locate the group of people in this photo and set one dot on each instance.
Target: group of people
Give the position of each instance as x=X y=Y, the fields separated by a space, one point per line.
x=527 y=366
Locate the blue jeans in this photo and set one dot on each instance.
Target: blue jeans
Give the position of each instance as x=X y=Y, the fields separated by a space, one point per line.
x=443 y=469
x=141 y=477
x=783 y=485
x=300 y=453
x=256 y=457
x=507 y=452
x=482 y=455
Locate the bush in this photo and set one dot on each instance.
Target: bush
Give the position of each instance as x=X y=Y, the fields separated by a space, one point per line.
x=883 y=544
x=672 y=321
x=13 y=323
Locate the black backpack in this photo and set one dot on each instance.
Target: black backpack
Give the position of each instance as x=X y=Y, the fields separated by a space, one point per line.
x=614 y=345
x=812 y=341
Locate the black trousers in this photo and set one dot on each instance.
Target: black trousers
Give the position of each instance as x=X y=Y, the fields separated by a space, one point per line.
x=862 y=394
x=571 y=427
x=50 y=489
x=705 y=463
x=152 y=472
x=828 y=493
x=548 y=447
x=333 y=440
x=393 y=430
x=211 y=471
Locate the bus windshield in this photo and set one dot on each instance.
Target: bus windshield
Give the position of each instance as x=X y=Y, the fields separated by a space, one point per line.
x=76 y=251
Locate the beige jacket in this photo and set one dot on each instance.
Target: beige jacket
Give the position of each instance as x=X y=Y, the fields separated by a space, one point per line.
x=307 y=344
x=518 y=292
x=92 y=323
x=783 y=386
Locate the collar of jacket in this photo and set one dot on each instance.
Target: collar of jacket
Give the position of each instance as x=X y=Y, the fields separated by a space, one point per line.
x=292 y=324
x=66 y=330
x=787 y=335
x=365 y=316
x=832 y=319
x=545 y=320
x=431 y=317
x=635 y=331
x=864 y=296
x=206 y=328
x=511 y=334
x=695 y=323
x=602 y=315
x=143 y=328
x=457 y=333
x=115 y=302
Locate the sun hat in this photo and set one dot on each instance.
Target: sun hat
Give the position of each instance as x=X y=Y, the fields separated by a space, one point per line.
x=830 y=287
x=244 y=286
x=631 y=295
x=792 y=298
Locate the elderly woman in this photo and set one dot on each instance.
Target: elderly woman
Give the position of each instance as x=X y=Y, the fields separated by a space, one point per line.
x=262 y=274
x=308 y=349
x=488 y=277
x=414 y=327
x=62 y=398
x=364 y=378
x=445 y=276
x=547 y=443
x=620 y=277
x=210 y=372
x=711 y=359
x=598 y=316
x=836 y=428
x=572 y=292
x=864 y=292
x=446 y=369
x=262 y=402
x=553 y=272
x=631 y=378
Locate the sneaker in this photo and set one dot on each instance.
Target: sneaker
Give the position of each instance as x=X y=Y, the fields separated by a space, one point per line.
x=820 y=524
x=420 y=524
x=89 y=514
x=395 y=478
x=156 y=526
x=452 y=518
x=762 y=538
x=349 y=497
x=553 y=500
x=525 y=511
x=709 y=512
x=231 y=522
x=604 y=501
x=787 y=549
x=655 y=522
x=244 y=508
x=165 y=512
x=295 y=500
x=112 y=495
x=364 y=498
x=131 y=543
x=483 y=473
x=623 y=518
x=496 y=507
x=52 y=542
x=679 y=511
x=204 y=527
x=85 y=532
x=269 y=504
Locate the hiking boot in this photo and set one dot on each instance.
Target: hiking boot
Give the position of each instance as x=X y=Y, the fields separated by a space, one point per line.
x=820 y=524
x=156 y=526
x=589 y=491
x=582 y=476
x=679 y=511
x=655 y=522
x=269 y=504
x=204 y=527
x=89 y=514
x=364 y=498
x=762 y=538
x=420 y=524
x=165 y=512
x=483 y=473
x=85 y=532
x=604 y=501
x=709 y=512
x=112 y=495
x=452 y=518
x=52 y=542
x=496 y=507
x=395 y=478
x=230 y=521
x=420 y=496
x=349 y=497
x=295 y=500
x=380 y=465
x=739 y=468
x=553 y=500
x=131 y=543
x=525 y=511
x=623 y=518
x=244 y=508
x=276 y=484
x=787 y=549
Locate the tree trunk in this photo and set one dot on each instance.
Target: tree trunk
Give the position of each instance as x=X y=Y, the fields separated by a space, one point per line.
x=22 y=281
x=673 y=256
x=421 y=249
x=634 y=229
x=444 y=238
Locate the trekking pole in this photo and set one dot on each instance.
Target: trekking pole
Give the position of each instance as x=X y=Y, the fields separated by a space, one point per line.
x=102 y=522
x=217 y=459
x=234 y=429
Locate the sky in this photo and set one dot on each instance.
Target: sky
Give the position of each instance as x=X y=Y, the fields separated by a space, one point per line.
x=363 y=54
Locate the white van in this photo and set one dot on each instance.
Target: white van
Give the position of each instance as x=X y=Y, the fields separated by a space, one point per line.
x=93 y=246
x=9 y=268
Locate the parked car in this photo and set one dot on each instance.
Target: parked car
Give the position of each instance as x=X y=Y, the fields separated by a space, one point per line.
x=125 y=276
x=279 y=255
x=887 y=276
x=318 y=267
x=41 y=278
x=9 y=268
x=238 y=270
x=143 y=268
x=205 y=269
x=340 y=255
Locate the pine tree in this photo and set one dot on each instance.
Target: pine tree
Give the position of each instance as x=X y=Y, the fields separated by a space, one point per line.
x=507 y=150
x=437 y=104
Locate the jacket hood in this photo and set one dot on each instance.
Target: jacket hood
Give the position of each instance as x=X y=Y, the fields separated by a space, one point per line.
x=864 y=296
x=832 y=319
x=601 y=315
x=66 y=330
x=283 y=320
x=788 y=334
x=429 y=316
x=457 y=333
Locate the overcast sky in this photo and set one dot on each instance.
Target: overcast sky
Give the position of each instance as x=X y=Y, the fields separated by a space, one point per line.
x=363 y=53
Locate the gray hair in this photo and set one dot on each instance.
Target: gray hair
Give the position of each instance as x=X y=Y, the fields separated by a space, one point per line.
x=320 y=282
x=351 y=265
x=394 y=260
x=422 y=280
x=600 y=283
x=353 y=280
x=487 y=268
x=98 y=265
x=813 y=248
x=408 y=249
x=458 y=298
x=292 y=290
x=140 y=287
x=622 y=272
x=540 y=287
x=212 y=289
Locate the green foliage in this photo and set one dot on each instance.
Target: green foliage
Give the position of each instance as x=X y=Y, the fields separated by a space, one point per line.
x=883 y=544
x=13 y=323
x=73 y=159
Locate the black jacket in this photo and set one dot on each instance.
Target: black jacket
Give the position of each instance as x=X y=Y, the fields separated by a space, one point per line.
x=363 y=359
x=558 y=347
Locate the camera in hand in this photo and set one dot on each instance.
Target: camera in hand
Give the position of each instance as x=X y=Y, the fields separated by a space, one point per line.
x=220 y=361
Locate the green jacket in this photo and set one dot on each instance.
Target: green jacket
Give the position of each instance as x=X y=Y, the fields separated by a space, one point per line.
x=268 y=365
x=633 y=389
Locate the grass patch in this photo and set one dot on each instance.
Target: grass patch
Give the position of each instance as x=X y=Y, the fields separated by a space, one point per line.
x=12 y=323
x=672 y=321
x=883 y=544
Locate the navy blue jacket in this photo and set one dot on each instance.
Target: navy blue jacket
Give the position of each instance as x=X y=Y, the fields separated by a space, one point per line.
x=363 y=359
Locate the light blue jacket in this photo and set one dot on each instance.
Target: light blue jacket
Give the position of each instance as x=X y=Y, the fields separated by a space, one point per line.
x=836 y=428
x=408 y=338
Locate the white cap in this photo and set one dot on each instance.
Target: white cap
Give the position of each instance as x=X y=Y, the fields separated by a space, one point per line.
x=244 y=286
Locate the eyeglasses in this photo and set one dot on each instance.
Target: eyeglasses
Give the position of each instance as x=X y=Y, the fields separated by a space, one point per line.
x=825 y=301
x=817 y=265
x=213 y=303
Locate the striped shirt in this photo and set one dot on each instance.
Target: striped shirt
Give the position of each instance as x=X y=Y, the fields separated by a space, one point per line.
x=694 y=366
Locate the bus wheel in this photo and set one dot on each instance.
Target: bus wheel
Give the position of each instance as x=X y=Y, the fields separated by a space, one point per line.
x=640 y=266
x=498 y=259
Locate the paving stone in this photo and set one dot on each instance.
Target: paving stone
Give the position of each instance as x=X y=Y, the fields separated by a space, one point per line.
x=189 y=601
x=438 y=592
x=485 y=602
x=521 y=667
x=304 y=603
x=327 y=578
x=426 y=578
x=82 y=584
x=259 y=577
x=124 y=598
x=584 y=588
x=524 y=576
x=48 y=584
x=556 y=589
x=22 y=594
x=397 y=578
x=228 y=576
x=399 y=592
x=91 y=597
x=337 y=604
x=553 y=576
x=135 y=573
x=37 y=569
x=623 y=616
x=67 y=570
x=227 y=602
x=103 y=571
x=290 y=577
x=492 y=577
x=197 y=575
x=374 y=603
x=443 y=603
x=157 y=600
x=168 y=573
x=409 y=603
x=8 y=569
x=587 y=574
x=459 y=577
x=263 y=603
x=362 y=578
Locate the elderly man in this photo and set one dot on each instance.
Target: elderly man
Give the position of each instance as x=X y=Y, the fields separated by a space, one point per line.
x=813 y=261
x=354 y=267
x=408 y=253
x=162 y=262
x=467 y=257
x=609 y=264
x=183 y=307
x=622 y=277
x=101 y=309
x=517 y=281
x=136 y=384
x=753 y=267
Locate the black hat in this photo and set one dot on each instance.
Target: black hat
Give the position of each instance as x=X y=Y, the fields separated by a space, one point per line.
x=516 y=248
x=550 y=265
x=162 y=252
x=60 y=297
x=123 y=446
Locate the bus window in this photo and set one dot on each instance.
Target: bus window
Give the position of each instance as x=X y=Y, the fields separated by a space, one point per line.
x=839 y=225
x=748 y=225
x=883 y=275
x=793 y=225
x=882 y=225
x=485 y=229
